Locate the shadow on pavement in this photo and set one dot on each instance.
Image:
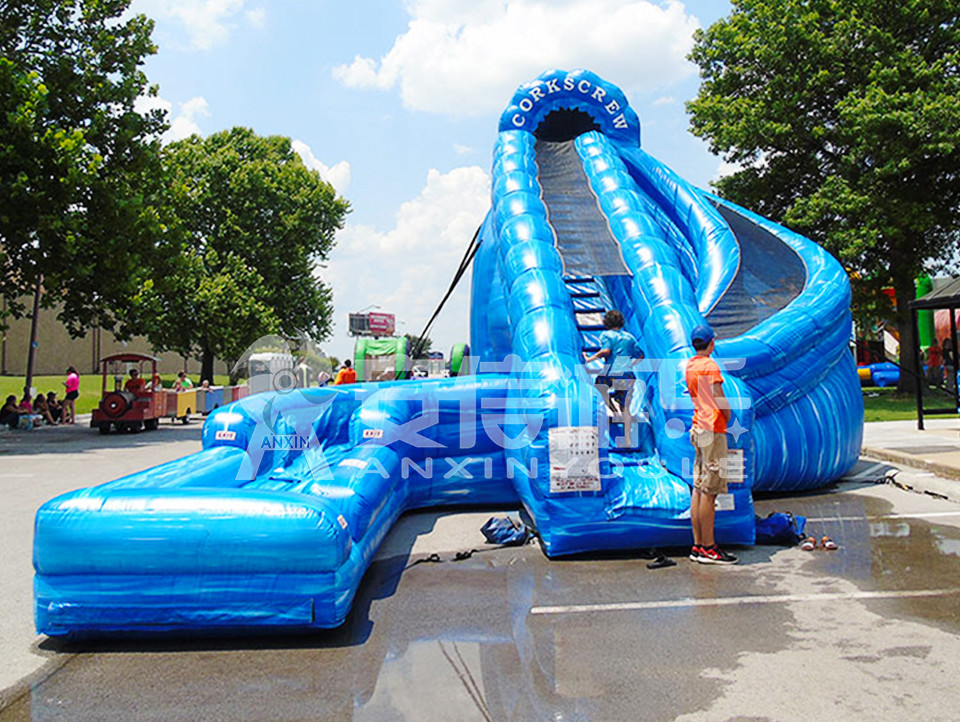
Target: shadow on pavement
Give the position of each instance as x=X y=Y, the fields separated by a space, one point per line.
x=81 y=437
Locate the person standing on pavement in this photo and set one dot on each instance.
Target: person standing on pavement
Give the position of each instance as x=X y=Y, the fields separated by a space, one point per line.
x=709 y=438
x=949 y=362
x=934 y=360
x=72 y=385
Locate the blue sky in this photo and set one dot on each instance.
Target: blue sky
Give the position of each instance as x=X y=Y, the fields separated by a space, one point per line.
x=397 y=104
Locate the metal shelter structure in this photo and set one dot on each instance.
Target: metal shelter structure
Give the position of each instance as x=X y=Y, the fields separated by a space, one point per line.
x=945 y=297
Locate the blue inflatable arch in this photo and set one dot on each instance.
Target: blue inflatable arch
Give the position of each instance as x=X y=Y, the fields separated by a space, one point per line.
x=562 y=105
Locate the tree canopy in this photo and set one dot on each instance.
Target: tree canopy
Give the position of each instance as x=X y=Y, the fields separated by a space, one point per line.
x=844 y=117
x=78 y=165
x=253 y=223
x=419 y=345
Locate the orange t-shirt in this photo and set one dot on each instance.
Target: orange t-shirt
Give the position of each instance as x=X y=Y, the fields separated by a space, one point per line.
x=702 y=373
x=134 y=385
x=345 y=376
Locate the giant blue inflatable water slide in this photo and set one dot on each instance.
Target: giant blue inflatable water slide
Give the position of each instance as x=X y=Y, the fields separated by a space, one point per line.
x=275 y=521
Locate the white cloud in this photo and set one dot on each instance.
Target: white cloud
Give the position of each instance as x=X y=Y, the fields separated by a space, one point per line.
x=665 y=100
x=257 y=17
x=183 y=124
x=407 y=270
x=207 y=22
x=466 y=56
x=337 y=175
x=363 y=73
x=725 y=169
x=461 y=149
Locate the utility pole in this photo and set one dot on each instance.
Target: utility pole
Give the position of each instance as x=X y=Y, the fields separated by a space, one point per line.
x=3 y=343
x=31 y=351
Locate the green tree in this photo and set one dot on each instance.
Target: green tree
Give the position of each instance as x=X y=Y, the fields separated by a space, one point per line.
x=253 y=222
x=844 y=116
x=79 y=167
x=418 y=345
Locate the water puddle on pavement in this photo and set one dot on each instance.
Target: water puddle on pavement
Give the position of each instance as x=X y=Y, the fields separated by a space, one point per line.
x=463 y=640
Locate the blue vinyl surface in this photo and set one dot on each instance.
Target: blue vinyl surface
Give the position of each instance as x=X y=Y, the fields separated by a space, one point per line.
x=276 y=520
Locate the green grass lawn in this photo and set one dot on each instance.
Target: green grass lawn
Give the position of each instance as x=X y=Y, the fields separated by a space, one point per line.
x=885 y=404
x=880 y=404
x=89 y=387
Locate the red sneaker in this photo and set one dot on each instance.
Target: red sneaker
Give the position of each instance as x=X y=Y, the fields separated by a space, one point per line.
x=716 y=555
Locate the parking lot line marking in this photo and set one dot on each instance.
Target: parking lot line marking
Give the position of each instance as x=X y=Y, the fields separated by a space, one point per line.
x=916 y=515
x=733 y=601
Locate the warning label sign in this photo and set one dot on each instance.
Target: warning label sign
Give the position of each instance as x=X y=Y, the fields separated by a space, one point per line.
x=574 y=459
x=735 y=472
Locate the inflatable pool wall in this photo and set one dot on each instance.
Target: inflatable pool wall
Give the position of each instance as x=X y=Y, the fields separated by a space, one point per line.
x=275 y=521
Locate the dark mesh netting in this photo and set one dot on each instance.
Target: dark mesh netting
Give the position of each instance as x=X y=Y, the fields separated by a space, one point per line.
x=770 y=276
x=565 y=124
x=584 y=240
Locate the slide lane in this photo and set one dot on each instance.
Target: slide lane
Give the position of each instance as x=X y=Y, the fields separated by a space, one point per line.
x=794 y=360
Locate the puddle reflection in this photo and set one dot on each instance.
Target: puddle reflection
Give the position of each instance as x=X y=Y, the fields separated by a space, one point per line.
x=458 y=640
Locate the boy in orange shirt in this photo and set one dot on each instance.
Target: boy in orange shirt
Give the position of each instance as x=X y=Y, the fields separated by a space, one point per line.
x=709 y=438
x=345 y=375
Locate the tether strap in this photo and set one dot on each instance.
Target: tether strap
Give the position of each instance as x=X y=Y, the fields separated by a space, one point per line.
x=464 y=265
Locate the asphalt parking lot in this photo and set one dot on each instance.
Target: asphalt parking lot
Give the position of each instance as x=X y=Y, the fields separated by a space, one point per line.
x=868 y=630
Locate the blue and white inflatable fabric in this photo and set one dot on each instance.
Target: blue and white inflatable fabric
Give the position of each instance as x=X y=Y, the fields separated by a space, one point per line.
x=275 y=521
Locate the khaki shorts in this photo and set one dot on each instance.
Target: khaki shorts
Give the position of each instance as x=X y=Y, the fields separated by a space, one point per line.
x=709 y=466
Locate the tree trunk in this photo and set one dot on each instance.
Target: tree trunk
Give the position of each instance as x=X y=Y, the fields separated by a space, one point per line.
x=906 y=292
x=206 y=366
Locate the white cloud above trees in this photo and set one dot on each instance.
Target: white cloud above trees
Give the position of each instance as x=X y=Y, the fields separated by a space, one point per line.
x=183 y=123
x=465 y=57
x=337 y=175
x=207 y=23
x=407 y=270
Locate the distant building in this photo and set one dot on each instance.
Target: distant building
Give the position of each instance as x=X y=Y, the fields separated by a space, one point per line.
x=56 y=349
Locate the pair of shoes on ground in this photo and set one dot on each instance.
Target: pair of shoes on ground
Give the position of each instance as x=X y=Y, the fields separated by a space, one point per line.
x=810 y=543
x=711 y=555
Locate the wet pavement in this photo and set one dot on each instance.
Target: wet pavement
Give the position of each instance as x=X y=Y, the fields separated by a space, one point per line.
x=867 y=630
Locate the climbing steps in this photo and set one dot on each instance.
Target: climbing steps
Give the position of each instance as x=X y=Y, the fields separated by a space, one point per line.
x=591 y=300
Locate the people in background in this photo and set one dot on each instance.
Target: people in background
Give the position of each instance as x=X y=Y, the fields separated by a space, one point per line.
x=934 y=361
x=54 y=406
x=135 y=384
x=41 y=409
x=72 y=385
x=28 y=416
x=183 y=382
x=949 y=362
x=346 y=374
x=9 y=413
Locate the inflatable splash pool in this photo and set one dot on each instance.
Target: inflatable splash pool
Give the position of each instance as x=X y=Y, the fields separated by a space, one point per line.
x=275 y=521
